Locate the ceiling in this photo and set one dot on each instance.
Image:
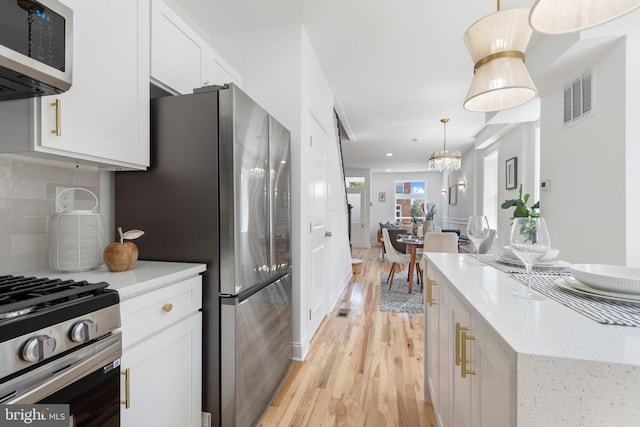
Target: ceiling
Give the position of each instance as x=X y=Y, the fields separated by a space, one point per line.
x=396 y=68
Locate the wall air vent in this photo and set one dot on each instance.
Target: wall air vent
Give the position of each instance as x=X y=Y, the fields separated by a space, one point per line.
x=578 y=98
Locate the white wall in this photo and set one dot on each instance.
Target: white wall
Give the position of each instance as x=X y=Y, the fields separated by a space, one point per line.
x=281 y=72
x=518 y=142
x=458 y=214
x=585 y=207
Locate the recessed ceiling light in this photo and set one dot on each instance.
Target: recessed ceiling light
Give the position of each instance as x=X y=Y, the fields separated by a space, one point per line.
x=389 y=154
x=388 y=170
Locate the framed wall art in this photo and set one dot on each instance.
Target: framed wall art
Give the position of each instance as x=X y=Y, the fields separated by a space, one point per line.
x=511 y=173
x=453 y=195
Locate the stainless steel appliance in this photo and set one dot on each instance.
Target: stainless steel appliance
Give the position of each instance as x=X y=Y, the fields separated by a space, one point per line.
x=218 y=192
x=60 y=343
x=35 y=48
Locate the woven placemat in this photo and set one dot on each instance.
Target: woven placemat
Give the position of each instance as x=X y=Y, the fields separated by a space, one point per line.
x=543 y=280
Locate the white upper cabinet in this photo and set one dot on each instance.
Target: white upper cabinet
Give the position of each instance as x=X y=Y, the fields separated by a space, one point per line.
x=180 y=59
x=219 y=71
x=177 y=53
x=103 y=119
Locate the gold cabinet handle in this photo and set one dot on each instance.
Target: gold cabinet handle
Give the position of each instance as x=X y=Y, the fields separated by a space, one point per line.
x=167 y=307
x=58 y=130
x=463 y=342
x=457 y=342
x=127 y=388
x=430 y=299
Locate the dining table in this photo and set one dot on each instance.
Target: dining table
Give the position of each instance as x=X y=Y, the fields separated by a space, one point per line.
x=413 y=243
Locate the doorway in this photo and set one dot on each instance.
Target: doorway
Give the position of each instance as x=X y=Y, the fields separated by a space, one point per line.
x=359 y=236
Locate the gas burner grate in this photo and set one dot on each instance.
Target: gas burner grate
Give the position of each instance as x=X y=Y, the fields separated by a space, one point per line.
x=18 y=293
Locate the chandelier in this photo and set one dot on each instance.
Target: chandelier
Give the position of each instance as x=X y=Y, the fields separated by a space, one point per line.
x=496 y=44
x=559 y=17
x=444 y=160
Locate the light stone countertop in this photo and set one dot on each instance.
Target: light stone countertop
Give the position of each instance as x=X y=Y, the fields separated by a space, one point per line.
x=536 y=327
x=571 y=370
x=145 y=276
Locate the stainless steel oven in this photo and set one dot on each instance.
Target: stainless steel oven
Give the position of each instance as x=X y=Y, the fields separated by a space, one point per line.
x=60 y=343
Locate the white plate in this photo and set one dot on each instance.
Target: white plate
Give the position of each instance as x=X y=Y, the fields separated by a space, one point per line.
x=582 y=289
x=550 y=256
x=613 y=278
x=542 y=264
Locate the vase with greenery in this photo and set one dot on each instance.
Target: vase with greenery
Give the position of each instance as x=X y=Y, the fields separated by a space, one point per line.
x=521 y=209
x=526 y=228
x=429 y=214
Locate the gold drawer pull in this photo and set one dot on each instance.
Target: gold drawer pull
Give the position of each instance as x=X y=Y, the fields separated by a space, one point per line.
x=58 y=130
x=463 y=340
x=458 y=330
x=430 y=299
x=127 y=388
x=167 y=307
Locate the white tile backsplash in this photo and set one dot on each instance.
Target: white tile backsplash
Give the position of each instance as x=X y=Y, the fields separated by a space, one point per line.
x=5 y=245
x=30 y=207
x=27 y=189
x=27 y=198
x=42 y=173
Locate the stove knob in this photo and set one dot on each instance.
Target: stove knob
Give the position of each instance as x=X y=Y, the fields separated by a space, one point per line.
x=38 y=348
x=84 y=331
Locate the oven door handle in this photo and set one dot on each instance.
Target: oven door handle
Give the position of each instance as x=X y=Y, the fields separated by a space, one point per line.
x=80 y=364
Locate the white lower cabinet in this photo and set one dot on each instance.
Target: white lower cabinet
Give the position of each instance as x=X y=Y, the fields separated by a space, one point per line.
x=470 y=372
x=162 y=357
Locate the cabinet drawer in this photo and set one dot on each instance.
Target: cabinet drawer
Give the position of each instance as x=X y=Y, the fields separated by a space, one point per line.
x=148 y=313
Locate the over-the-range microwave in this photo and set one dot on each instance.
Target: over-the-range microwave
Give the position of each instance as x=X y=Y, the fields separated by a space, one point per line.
x=35 y=48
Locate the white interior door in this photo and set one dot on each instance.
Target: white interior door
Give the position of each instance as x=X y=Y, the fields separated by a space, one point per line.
x=355 y=197
x=317 y=294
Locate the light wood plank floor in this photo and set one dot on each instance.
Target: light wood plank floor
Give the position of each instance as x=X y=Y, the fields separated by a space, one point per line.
x=365 y=369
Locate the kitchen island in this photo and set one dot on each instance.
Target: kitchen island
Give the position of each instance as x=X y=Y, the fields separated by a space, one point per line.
x=492 y=359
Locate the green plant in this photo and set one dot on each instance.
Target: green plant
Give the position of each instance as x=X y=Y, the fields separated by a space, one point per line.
x=521 y=210
x=430 y=211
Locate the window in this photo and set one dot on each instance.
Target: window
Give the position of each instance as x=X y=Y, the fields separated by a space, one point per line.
x=354 y=182
x=409 y=200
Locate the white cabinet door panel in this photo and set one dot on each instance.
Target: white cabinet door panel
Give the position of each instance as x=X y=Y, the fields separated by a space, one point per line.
x=177 y=52
x=105 y=114
x=165 y=376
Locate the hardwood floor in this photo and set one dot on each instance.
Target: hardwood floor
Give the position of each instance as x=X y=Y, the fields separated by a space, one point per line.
x=365 y=369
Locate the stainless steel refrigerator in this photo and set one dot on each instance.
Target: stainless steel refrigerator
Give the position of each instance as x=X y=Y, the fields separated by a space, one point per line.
x=218 y=192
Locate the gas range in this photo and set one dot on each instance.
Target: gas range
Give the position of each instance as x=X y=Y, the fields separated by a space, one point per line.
x=44 y=319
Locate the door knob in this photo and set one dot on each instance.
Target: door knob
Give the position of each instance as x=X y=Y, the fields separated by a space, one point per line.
x=327 y=234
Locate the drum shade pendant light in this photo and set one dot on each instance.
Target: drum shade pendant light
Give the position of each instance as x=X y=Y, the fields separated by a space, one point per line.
x=496 y=44
x=444 y=160
x=559 y=17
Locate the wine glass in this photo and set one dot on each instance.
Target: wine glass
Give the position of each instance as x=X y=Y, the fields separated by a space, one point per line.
x=529 y=242
x=477 y=231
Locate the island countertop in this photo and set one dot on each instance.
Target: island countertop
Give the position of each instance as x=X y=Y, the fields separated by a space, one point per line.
x=568 y=369
x=536 y=327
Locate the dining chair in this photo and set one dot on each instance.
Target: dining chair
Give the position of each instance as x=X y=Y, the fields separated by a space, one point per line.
x=394 y=256
x=436 y=242
x=486 y=245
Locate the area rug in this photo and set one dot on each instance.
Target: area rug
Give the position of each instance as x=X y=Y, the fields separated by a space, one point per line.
x=398 y=299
